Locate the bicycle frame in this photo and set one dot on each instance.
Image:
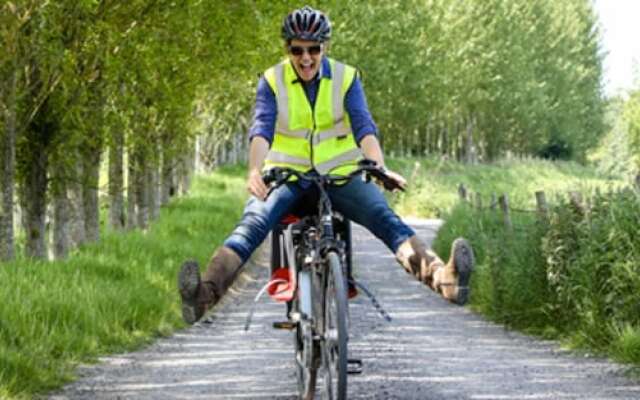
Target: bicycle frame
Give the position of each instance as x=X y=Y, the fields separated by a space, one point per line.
x=316 y=255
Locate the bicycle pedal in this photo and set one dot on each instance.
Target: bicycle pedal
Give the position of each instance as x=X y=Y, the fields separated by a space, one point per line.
x=354 y=366
x=288 y=325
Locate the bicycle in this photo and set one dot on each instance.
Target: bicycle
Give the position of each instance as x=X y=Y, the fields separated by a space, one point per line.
x=311 y=270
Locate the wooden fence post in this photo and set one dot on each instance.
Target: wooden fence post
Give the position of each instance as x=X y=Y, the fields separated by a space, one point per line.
x=504 y=206
x=575 y=198
x=462 y=191
x=493 y=201
x=478 y=201
x=542 y=207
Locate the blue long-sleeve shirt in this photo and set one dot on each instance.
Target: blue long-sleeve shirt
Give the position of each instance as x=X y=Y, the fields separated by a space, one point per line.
x=355 y=104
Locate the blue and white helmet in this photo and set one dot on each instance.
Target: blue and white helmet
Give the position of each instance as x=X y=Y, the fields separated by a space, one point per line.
x=306 y=24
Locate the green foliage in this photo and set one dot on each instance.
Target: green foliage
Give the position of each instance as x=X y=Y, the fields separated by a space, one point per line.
x=631 y=117
x=433 y=182
x=593 y=265
x=465 y=79
x=614 y=156
x=574 y=276
x=108 y=297
x=509 y=284
x=515 y=75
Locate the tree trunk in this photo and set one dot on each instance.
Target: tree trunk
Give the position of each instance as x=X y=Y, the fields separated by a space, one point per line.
x=131 y=192
x=142 y=193
x=116 y=182
x=167 y=176
x=186 y=170
x=468 y=145
x=7 y=173
x=234 y=149
x=153 y=183
x=76 y=207
x=445 y=138
x=428 y=137
x=199 y=161
x=223 y=153
x=34 y=202
x=90 y=194
x=61 y=222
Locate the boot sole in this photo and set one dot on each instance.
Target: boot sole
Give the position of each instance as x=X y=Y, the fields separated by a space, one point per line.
x=188 y=284
x=463 y=259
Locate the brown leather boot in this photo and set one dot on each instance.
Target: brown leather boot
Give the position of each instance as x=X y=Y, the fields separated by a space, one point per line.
x=452 y=279
x=199 y=294
x=416 y=259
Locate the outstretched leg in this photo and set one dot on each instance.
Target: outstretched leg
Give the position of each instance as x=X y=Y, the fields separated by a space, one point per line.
x=200 y=293
x=451 y=280
x=364 y=204
x=258 y=218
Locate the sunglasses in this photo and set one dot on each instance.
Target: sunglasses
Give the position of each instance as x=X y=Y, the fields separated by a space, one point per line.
x=300 y=50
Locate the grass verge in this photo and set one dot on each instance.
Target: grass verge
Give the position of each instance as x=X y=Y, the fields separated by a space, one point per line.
x=573 y=277
x=108 y=297
x=433 y=182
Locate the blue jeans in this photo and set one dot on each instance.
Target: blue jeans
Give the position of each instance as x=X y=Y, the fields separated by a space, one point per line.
x=360 y=202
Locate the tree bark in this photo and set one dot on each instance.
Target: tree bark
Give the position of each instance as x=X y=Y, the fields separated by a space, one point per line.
x=116 y=182
x=61 y=222
x=131 y=192
x=186 y=170
x=153 y=184
x=167 y=176
x=34 y=201
x=7 y=173
x=468 y=144
x=223 y=153
x=142 y=193
x=90 y=194
x=76 y=206
x=34 y=154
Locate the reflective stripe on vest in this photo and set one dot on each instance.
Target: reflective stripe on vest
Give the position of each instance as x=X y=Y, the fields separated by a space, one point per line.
x=320 y=138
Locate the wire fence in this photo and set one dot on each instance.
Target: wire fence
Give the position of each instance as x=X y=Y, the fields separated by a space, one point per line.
x=577 y=200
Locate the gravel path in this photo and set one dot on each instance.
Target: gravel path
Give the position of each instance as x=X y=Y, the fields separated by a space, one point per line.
x=431 y=350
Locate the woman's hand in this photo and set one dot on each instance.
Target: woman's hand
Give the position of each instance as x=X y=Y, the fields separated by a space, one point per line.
x=255 y=184
x=399 y=179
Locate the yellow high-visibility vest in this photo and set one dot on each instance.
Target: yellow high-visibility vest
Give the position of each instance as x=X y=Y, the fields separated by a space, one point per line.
x=307 y=137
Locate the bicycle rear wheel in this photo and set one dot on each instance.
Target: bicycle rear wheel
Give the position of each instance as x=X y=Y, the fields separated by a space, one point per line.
x=334 y=346
x=306 y=368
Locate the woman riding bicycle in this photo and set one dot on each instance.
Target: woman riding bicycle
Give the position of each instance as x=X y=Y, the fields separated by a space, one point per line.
x=311 y=115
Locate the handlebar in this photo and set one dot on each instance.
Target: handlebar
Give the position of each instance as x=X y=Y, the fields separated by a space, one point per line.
x=369 y=168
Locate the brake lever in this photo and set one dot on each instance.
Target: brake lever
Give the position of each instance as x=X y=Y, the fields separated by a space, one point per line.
x=388 y=183
x=392 y=185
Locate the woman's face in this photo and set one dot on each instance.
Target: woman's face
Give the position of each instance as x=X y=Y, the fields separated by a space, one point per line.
x=306 y=57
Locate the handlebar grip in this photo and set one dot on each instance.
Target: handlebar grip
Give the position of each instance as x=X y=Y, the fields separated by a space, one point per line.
x=268 y=178
x=271 y=175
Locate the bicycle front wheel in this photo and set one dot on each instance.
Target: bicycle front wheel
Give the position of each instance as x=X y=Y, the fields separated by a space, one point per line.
x=334 y=345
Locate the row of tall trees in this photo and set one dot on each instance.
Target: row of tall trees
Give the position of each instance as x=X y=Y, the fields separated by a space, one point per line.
x=147 y=86
x=478 y=78
x=467 y=79
x=83 y=80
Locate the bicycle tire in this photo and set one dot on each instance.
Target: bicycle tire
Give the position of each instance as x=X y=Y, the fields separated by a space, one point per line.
x=306 y=376
x=334 y=346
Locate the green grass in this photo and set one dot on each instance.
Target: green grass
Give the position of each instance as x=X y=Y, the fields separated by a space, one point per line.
x=433 y=182
x=120 y=293
x=107 y=297
x=574 y=277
